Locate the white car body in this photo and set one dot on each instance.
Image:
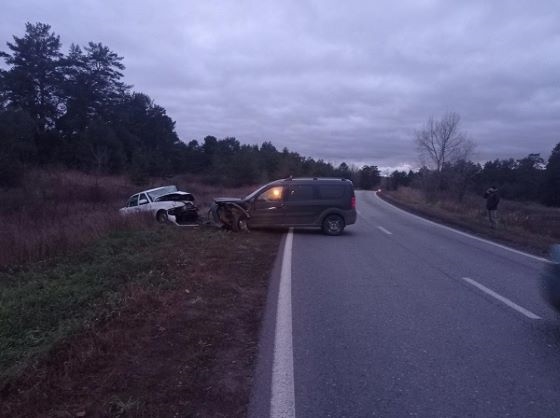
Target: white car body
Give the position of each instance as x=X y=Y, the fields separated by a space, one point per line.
x=160 y=202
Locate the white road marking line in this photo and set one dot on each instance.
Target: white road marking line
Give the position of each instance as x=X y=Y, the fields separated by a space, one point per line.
x=466 y=234
x=282 y=403
x=384 y=230
x=502 y=299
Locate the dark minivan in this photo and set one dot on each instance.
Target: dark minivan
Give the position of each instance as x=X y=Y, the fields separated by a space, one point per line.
x=327 y=203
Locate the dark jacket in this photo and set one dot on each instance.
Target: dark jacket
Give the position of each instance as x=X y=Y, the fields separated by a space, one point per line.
x=551 y=278
x=492 y=199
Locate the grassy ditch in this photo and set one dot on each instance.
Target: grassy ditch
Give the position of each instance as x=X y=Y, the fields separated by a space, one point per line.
x=527 y=226
x=161 y=321
x=44 y=302
x=56 y=211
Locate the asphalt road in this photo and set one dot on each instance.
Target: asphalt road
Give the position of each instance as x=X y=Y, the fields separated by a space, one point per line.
x=401 y=317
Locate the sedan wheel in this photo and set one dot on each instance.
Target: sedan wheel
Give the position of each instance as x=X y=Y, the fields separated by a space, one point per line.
x=161 y=217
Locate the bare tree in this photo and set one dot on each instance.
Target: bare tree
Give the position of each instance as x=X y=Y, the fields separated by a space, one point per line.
x=441 y=141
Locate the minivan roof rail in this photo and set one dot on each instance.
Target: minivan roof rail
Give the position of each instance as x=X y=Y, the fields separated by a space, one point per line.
x=290 y=178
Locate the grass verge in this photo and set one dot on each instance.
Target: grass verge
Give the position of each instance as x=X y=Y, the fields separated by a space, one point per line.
x=157 y=322
x=525 y=226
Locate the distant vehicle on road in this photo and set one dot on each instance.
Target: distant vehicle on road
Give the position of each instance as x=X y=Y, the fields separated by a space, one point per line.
x=166 y=203
x=326 y=203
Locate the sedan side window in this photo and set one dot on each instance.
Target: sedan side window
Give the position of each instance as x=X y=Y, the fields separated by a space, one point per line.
x=274 y=194
x=133 y=201
x=143 y=200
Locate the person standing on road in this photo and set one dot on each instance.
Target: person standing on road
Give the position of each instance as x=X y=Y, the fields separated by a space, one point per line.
x=492 y=199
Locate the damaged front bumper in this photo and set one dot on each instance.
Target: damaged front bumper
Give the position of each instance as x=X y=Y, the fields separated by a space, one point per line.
x=183 y=215
x=229 y=215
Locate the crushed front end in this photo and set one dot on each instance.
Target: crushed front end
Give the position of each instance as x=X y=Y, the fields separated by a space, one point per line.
x=229 y=213
x=184 y=214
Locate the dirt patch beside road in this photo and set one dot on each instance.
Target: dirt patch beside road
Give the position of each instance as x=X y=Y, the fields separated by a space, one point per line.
x=184 y=348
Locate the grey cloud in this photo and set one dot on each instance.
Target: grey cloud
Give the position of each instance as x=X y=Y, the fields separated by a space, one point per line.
x=343 y=81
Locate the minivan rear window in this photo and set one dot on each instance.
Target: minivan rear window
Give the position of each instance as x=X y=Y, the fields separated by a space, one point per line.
x=331 y=191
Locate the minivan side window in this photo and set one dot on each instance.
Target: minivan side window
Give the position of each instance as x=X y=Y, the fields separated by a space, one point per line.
x=299 y=192
x=274 y=194
x=331 y=191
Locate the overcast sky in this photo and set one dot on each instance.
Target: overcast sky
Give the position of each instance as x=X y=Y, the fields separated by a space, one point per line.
x=339 y=80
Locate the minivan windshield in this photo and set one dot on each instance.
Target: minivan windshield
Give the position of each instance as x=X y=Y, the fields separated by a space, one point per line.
x=256 y=192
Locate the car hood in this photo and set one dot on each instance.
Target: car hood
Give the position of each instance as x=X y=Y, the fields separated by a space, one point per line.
x=228 y=200
x=176 y=196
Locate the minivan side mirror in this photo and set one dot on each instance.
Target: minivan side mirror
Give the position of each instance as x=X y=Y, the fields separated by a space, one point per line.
x=143 y=202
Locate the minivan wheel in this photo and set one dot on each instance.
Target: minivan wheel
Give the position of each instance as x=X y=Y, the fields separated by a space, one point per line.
x=333 y=225
x=239 y=222
x=242 y=224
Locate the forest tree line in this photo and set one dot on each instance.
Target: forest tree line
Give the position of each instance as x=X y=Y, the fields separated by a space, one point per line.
x=74 y=110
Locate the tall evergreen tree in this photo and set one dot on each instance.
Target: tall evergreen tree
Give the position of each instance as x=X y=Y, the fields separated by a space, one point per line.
x=17 y=147
x=147 y=133
x=33 y=81
x=92 y=85
x=369 y=177
x=343 y=171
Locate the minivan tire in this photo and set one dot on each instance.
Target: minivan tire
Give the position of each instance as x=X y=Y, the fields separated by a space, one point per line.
x=333 y=225
x=241 y=224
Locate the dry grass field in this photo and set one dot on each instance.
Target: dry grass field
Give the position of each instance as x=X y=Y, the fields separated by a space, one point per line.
x=58 y=211
x=526 y=225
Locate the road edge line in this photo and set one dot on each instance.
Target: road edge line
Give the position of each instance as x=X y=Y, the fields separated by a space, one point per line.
x=282 y=402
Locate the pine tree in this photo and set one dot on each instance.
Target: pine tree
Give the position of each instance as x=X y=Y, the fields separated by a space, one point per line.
x=33 y=81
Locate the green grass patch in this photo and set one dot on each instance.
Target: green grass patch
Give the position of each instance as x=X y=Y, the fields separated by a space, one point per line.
x=44 y=302
x=156 y=322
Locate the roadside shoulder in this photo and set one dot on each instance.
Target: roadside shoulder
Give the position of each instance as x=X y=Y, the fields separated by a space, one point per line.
x=535 y=245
